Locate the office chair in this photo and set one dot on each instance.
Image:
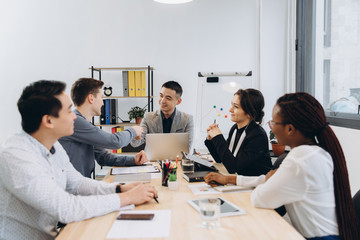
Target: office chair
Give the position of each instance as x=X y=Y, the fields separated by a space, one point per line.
x=356 y=200
x=280 y=210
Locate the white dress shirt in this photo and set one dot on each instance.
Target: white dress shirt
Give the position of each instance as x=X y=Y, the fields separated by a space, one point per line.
x=38 y=188
x=304 y=184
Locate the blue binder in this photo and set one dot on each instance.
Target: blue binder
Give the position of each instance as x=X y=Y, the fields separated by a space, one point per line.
x=107 y=111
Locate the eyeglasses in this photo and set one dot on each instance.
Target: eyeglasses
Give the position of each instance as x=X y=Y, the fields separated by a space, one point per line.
x=272 y=123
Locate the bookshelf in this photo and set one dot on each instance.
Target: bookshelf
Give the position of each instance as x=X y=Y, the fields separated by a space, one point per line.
x=99 y=71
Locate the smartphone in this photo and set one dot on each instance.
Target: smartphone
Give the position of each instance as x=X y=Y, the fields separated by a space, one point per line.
x=135 y=216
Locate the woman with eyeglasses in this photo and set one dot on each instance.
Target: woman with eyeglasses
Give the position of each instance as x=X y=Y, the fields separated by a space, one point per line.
x=312 y=181
x=246 y=151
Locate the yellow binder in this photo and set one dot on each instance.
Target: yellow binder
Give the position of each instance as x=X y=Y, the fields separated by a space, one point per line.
x=143 y=83
x=137 y=83
x=119 y=129
x=131 y=78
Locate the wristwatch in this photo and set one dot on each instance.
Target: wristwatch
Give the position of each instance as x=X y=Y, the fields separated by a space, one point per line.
x=118 y=188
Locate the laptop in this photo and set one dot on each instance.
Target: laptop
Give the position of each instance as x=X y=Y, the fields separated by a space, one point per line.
x=160 y=146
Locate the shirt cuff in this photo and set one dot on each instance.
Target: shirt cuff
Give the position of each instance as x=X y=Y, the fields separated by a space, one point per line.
x=252 y=181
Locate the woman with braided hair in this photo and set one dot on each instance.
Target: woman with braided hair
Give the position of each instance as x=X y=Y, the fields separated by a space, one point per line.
x=312 y=181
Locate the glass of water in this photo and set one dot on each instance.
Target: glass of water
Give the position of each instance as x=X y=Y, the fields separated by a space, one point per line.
x=187 y=165
x=210 y=212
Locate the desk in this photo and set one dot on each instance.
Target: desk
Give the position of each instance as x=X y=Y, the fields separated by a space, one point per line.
x=256 y=224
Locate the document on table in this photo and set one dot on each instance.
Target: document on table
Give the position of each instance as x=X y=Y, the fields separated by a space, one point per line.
x=158 y=227
x=135 y=169
x=202 y=189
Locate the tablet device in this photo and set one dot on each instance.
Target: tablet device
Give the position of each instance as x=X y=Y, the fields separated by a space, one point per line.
x=226 y=208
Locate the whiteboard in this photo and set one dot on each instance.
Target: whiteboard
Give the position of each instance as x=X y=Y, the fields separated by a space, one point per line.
x=213 y=104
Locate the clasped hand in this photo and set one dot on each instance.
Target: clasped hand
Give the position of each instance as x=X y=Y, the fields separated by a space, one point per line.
x=212 y=131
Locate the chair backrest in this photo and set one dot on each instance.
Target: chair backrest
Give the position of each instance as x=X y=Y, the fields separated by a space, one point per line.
x=279 y=160
x=356 y=200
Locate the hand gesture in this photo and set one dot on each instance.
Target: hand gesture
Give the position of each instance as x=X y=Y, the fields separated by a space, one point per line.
x=141 y=158
x=140 y=194
x=139 y=130
x=212 y=131
x=215 y=179
x=129 y=186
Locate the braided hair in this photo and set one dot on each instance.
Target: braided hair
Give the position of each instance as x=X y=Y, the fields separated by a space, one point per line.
x=307 y=115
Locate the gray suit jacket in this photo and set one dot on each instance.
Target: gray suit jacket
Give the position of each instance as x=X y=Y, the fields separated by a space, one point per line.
x=152 y=123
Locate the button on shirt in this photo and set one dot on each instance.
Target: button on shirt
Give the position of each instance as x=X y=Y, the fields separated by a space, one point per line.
x=38 y=188
x=167 y=122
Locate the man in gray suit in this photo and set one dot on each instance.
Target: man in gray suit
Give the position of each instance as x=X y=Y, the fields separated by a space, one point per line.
x=168 y=119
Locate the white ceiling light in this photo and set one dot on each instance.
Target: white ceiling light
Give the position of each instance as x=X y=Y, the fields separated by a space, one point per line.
x=172 y=1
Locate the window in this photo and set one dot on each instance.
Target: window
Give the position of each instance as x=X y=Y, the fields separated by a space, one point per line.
x=328 y=57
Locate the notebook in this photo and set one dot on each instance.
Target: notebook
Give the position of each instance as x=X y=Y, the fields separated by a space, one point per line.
x=160 y=146
x=196 y=176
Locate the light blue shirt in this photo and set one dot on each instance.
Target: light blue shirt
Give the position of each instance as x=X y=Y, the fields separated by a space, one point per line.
x=38 y=188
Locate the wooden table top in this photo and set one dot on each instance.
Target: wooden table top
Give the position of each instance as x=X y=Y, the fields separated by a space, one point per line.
x=186 y=223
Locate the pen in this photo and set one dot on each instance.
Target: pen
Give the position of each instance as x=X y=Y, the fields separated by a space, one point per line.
x=155 y=198
x=177 y=159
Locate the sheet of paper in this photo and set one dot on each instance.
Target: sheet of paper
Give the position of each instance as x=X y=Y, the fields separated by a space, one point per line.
x=135 y=169
x=202 y=189
x=158 y=227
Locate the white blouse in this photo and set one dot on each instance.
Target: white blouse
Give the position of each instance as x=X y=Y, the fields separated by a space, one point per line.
x=304 y=184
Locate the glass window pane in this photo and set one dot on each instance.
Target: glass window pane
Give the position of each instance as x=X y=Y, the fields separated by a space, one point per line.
x=337 y=55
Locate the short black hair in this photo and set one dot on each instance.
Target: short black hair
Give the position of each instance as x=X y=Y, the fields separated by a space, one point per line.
x=83 y=87
x=39 y=99
x=173 y=86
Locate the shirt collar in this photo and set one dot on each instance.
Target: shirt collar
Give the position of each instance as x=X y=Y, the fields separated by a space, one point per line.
x=43 y=150
x=170 y=118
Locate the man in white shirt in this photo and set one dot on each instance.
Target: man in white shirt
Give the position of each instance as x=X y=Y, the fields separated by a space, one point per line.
x=38 y=185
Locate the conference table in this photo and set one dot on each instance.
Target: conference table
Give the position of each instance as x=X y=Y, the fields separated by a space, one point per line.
x=186 y=222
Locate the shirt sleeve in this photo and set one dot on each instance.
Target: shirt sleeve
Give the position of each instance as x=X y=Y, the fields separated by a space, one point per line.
x=285 y=186
x=249 y=181
x=144 y=124
x=104 y=158
x=190 y=129
x=33 y=183
x=87 y=133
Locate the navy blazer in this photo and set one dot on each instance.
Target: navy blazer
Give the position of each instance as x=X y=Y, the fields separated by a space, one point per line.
x=252 y=159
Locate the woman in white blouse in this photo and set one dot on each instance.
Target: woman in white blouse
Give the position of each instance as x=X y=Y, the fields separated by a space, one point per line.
x=312 y=181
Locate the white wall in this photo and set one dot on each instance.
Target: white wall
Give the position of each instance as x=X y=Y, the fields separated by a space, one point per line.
x=349 y=140
x=61 y=39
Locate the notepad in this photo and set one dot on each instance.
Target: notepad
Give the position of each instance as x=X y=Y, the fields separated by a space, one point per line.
x=232 y=188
